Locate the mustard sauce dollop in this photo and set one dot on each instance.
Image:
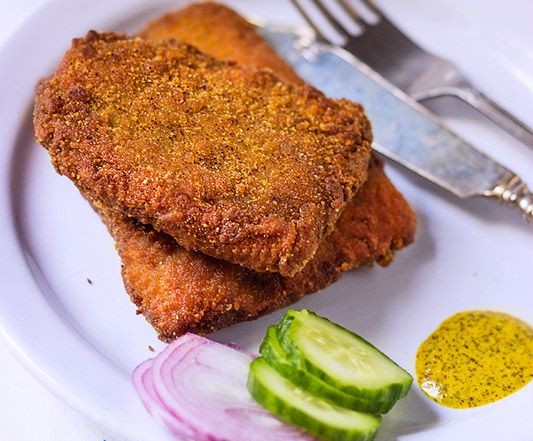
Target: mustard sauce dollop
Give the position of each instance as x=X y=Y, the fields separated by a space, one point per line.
x=475 y=358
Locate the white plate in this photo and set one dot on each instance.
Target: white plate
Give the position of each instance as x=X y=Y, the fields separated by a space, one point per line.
x=82 y=340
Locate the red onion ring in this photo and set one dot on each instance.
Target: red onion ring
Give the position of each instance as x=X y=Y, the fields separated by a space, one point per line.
x=197 y=387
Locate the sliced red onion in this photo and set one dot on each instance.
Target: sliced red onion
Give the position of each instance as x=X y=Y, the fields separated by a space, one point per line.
x=144 y=383
x=199 y=387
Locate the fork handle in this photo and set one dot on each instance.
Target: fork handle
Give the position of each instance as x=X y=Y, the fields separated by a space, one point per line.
x=483 y=104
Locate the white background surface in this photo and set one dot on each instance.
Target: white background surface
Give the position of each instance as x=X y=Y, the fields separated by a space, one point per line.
x=28 y=411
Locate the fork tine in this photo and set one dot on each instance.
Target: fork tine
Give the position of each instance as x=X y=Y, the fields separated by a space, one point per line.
x=353 y=13
x=337 y=25
x=372 y=6
x=309 y=20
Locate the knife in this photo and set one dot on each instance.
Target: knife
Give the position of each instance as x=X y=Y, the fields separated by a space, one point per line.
x=404 y=131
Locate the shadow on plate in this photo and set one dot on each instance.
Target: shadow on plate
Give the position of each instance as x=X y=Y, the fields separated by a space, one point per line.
x=412 y=414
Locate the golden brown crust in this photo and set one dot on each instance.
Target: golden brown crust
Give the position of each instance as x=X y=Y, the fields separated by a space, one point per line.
x=219 y=31
x=229 y=161
x=374 y=224
x=180 y=291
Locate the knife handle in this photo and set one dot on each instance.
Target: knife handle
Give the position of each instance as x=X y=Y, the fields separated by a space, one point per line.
x=514 y=192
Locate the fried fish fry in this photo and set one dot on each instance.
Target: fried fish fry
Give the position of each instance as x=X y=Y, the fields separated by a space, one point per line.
x=221 y=32
x=231 y=162
x=181 y=291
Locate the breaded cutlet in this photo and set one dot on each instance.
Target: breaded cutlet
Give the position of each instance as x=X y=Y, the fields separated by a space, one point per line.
x=229 y=161
x=180 y=291
x=221 y=32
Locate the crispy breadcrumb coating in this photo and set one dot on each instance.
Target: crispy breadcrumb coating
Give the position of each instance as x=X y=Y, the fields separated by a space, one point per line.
x=179 y=291
x=231 y=162
x=182 y=291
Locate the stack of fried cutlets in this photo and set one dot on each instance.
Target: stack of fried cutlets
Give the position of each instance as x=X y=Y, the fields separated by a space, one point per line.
x=231 y=187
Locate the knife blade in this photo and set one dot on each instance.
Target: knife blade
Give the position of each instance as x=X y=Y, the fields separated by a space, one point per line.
x=404 y=131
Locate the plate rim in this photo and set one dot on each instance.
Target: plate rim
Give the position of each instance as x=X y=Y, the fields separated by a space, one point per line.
x=50 y=374
x=27 y=356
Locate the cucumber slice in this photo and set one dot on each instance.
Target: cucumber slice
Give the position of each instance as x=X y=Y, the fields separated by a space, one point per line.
x=297 y=406
x=274 y=355
x=341 y=358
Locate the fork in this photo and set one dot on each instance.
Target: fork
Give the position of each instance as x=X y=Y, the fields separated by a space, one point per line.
x=412 y=69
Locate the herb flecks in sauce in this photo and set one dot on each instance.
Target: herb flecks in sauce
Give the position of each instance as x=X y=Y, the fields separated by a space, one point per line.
x=475 y=358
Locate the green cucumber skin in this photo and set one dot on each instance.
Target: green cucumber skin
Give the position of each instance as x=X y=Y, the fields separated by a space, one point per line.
x=283 y=410
x=274 y=355
x=391 y=393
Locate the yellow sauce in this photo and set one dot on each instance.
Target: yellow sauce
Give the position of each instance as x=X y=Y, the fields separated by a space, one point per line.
x=475 y=358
